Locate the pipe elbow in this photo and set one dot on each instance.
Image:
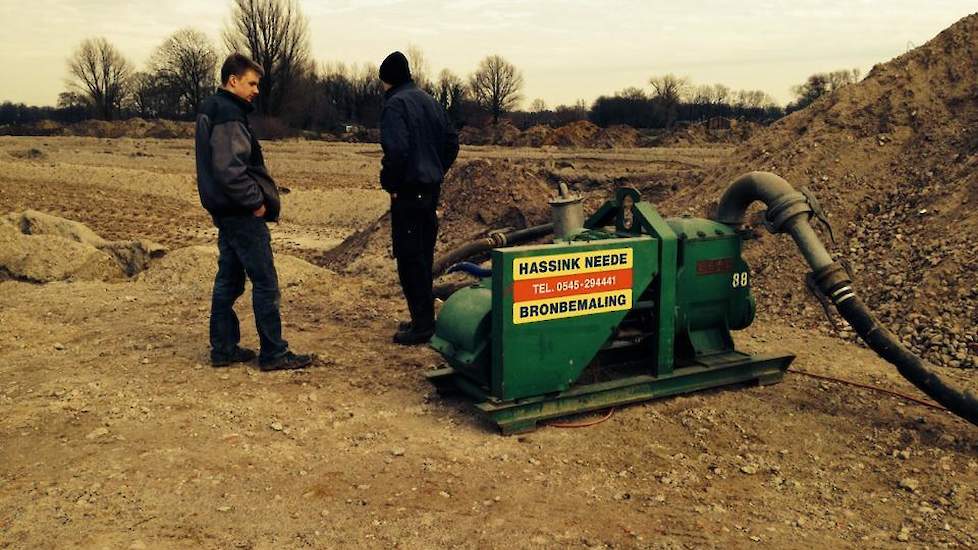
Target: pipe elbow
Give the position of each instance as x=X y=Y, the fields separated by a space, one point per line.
x=781 y=198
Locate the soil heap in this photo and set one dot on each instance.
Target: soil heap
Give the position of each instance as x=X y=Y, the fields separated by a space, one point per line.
x=477 y=196
x=894 y=161
x=575 y=134
x=40 y=248
x=580 y=134
x=715 y=131
x=131 y=128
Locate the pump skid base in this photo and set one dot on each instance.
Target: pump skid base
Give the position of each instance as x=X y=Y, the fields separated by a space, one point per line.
x=523 y=415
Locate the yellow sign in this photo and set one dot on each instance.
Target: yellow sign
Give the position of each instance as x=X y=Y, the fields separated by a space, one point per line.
x=571 y=306
x=575 y=263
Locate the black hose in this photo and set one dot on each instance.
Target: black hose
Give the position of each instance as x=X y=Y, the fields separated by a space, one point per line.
x=485 y=244
x=530 y=233
x=464 y=252
x=789 y=212
x=885 y=343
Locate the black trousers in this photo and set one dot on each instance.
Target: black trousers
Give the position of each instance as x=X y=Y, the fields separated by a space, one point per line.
x=414 y=229
x=245 y=248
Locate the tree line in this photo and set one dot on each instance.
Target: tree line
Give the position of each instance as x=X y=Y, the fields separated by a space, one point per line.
x=183 y=70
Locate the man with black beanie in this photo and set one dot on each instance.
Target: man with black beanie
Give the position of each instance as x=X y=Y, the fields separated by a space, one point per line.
x=420 y=144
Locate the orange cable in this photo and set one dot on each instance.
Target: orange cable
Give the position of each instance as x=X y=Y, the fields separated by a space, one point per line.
x=611 y=412
x=873 y=388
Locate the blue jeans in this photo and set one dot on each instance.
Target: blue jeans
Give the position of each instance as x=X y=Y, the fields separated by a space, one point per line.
x=245 y=247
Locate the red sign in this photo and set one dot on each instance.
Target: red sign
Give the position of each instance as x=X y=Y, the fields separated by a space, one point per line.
x=569 y=285
x=711 y=267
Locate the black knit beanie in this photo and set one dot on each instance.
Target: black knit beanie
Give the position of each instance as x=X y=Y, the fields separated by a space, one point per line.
x=394 y=70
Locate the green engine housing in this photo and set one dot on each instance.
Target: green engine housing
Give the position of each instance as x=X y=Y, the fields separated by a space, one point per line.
x=633 y=307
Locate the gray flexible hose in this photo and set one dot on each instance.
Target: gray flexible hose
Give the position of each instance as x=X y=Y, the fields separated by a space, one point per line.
x=789 y=212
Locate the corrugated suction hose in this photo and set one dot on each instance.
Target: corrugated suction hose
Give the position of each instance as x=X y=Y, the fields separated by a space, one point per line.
x=474 y=248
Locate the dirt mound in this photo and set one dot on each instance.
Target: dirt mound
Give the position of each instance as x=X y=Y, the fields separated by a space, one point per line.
x=195 y=266
x=483 y=194
x=582 y=134
x=534 y=136
x=614 y=137
x=40 y=248
x=717 y=130
x=46 y=258
x=470 y=135
x=502 y=133
x=132 y=128
x=39 y=128
x=32 y=153
x=894 y=160
x=478 y=196
x=575 y=134
x=95 y=128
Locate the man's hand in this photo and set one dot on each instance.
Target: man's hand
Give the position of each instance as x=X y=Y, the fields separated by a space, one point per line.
x=260 y=212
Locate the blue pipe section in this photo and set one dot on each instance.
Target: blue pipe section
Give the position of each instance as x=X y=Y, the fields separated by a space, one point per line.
x=471 y=269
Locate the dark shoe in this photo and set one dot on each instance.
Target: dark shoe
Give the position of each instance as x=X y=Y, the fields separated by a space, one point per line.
x=413 y=336
x=404 y=326
x=239 y=355
x=286 y=361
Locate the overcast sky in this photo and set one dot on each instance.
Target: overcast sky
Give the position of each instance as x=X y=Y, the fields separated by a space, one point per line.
x=568 y=49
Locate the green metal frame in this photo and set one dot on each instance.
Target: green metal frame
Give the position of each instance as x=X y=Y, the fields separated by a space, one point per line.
x=523 y=415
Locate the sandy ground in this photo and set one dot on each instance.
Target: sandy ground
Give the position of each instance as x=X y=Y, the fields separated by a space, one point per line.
x=115 y=433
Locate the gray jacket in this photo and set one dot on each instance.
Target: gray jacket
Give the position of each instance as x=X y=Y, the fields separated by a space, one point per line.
x=231 y=176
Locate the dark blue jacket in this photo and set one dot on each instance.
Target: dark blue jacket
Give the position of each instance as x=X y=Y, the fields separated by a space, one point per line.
x=419 y=141
x=231 y=176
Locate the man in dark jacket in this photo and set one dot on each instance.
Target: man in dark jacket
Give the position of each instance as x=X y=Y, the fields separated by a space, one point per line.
x=241 y=197
x=420 y=144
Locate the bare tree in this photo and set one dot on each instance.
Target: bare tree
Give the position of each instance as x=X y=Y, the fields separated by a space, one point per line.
x=496 y=85
x=721 y=94
x=152 y=97
x=538 y=105
x=368 y=94
x=100 y=73
x=450 y=92
x=820 y=84
x=632 y=92
x=72 y=100
x=842 y=78
x=188 y=62
x=420 y=70
x=753 y=99
x=275 y=34
x=671 y=90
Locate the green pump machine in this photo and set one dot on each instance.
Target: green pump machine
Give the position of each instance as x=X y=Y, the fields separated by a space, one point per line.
x=622 y=307
x=626 y=306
